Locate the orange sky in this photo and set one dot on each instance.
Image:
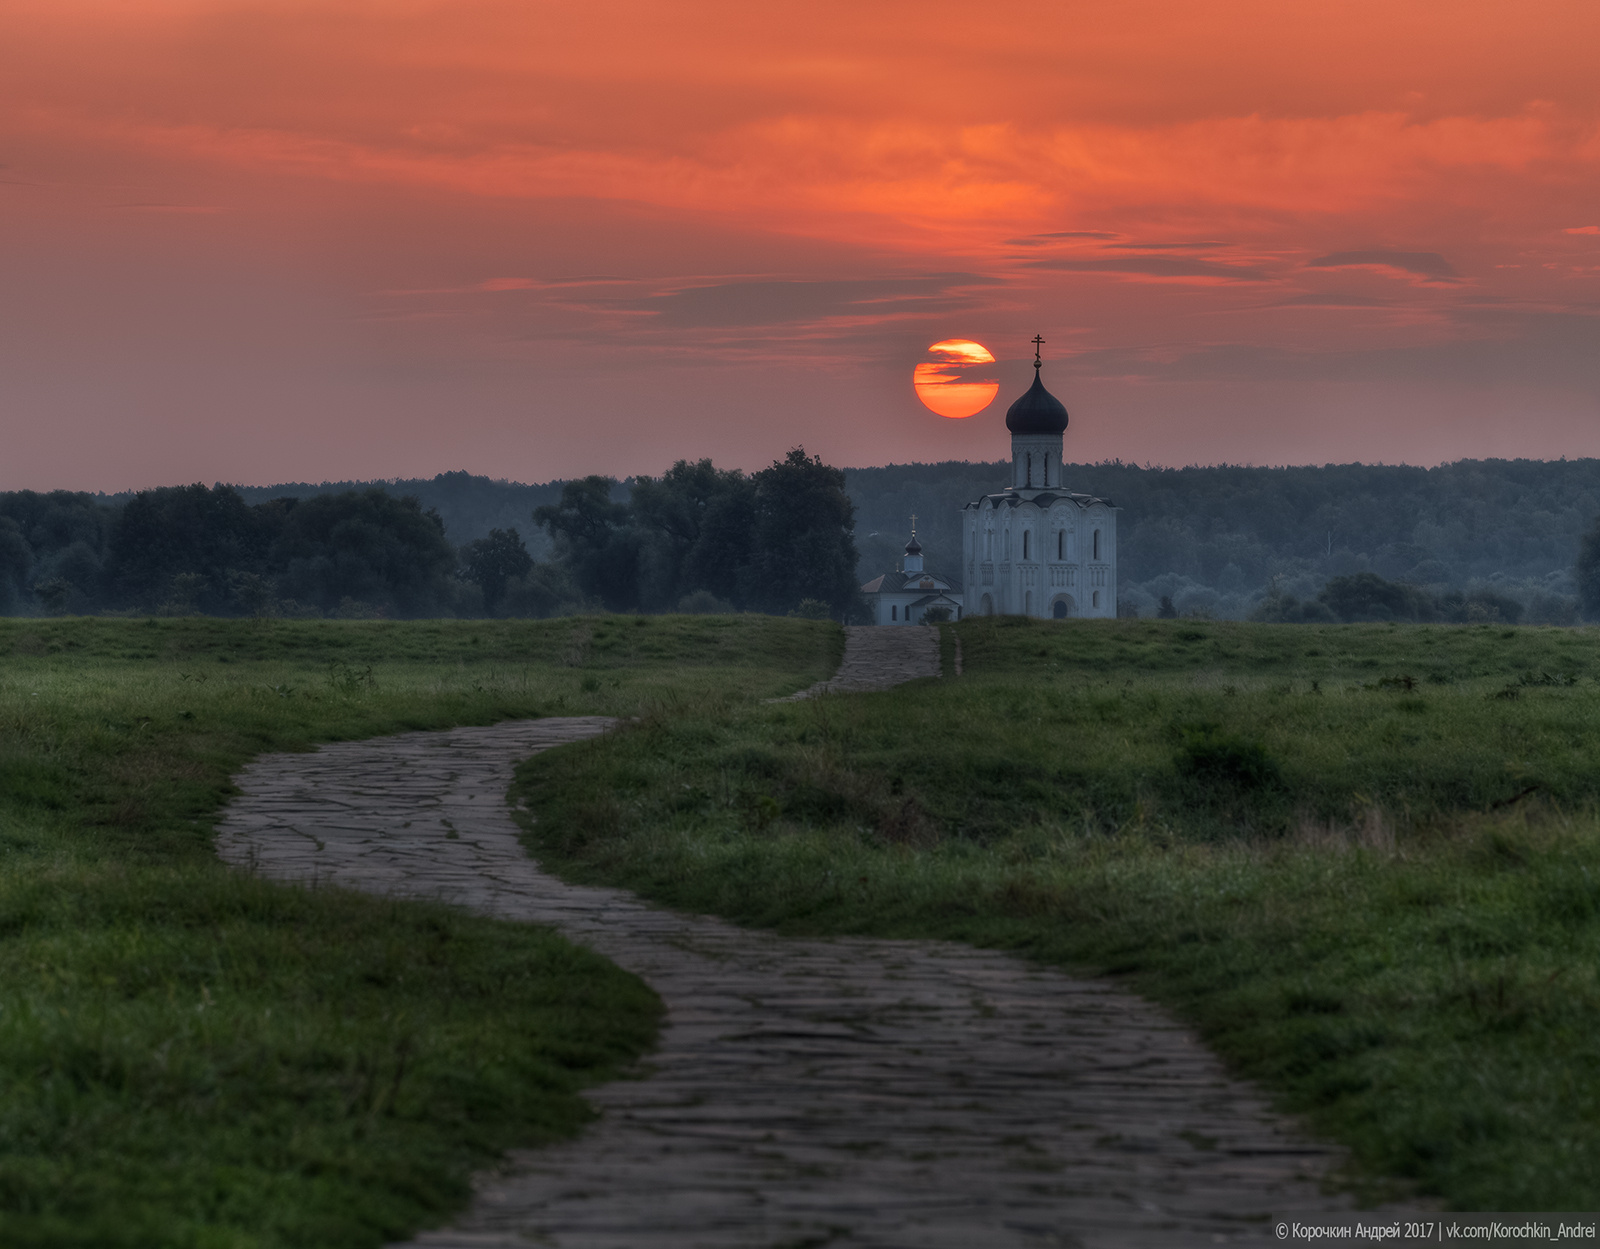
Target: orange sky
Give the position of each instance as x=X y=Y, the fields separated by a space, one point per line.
x=267 y=241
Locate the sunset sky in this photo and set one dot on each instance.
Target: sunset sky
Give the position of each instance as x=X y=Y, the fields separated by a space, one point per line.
x=258 y=242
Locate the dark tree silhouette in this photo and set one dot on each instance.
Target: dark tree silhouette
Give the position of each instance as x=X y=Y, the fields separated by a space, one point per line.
x=186 y=531
x=1367 y=596
x=493 y=561
x=698 y=522
x=369 y=547
x=803 y=544
x=594 y=539
x=16 y=562
x=1586 y=572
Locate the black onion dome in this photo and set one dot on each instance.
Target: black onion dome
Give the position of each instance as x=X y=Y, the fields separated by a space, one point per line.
x=913 y=547
x=1037 y=412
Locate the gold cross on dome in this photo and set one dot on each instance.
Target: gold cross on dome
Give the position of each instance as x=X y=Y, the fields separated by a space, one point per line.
x=913 y=524
x=1037 y=343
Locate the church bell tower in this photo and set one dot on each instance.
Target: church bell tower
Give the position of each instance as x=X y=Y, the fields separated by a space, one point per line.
x=1037 y=422
x=1036 y=548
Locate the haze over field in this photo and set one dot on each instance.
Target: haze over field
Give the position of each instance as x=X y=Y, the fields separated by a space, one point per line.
x=272 y=242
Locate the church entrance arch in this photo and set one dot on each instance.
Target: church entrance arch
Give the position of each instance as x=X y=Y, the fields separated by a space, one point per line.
x=986 y=606
x=1063 y=606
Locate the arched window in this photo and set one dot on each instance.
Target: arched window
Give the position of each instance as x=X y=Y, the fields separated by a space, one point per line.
x=1045 y=467
x=1024 y=544
x=1061 y=543
x=1097 y=598
x=1097 y=544
x=1029 y=462
x=1027 y=603
x=894 y=612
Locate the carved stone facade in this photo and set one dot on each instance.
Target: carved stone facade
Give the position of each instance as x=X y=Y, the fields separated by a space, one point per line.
x=1037 y=549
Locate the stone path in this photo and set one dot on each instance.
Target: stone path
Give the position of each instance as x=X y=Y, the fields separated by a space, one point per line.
x=879 y=656
x=844 y=1093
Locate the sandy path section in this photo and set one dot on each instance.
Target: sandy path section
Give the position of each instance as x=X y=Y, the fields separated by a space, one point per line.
x=845 y=1093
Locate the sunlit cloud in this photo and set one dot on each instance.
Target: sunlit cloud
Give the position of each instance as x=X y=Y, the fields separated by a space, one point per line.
x=1422 y=264
x=1176 y=267
x=448 y=208
x=792 y=300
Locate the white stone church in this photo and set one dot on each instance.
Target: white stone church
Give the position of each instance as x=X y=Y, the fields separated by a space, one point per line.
x=1034 y=549
x=1037 y=548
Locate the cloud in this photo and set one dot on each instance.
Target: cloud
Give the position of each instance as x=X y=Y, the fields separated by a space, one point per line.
x=1045 y=240
x=801 y=301
x=1209 y=245
x=491 y=286
x=1331 y=300
x=204 y=209
x=1153 y=267
x=1582 y=230
x=1423 y=264
x=1492 y=348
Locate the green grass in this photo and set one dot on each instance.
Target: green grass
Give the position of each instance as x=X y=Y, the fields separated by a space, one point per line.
x=191 y=1057
x=1364 y=861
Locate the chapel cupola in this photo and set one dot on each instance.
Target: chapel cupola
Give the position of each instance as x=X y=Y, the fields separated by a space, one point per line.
x=913 y=550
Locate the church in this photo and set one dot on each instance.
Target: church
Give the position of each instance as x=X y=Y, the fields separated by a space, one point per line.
x=908 y=594
x=1037 y=548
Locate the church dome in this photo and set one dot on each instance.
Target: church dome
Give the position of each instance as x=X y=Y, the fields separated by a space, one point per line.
x=913 y=547
x=1037 y=412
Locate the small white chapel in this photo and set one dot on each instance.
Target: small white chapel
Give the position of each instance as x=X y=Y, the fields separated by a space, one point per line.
x=1037 y=548
x=908 y=594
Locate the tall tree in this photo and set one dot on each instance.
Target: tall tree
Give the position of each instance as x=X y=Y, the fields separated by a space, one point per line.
x=1586 y=572
x=185 y=531
x=804 y=546
x=594 y=538
x=698 y=520
x=368 y=546
x=494 y=561
x=16 y=562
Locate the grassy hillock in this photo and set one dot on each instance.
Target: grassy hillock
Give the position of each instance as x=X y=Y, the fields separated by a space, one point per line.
x=1363 y=860
x=193 y=1058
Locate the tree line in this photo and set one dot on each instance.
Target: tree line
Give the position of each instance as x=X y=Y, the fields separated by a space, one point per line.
x=1221 y=540
x=1225 y=541
x=698 y=538
x=1365 y=596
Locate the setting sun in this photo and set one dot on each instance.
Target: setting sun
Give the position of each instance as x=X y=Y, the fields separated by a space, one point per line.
x=951 y=383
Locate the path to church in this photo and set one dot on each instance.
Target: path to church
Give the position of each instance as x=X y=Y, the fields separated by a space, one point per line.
x=805 y=1093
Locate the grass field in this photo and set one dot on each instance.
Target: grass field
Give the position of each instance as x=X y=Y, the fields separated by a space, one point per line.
x=193 y=1059
x=1363 y=860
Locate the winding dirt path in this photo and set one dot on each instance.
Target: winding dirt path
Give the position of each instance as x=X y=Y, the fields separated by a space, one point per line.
x=840 y=1093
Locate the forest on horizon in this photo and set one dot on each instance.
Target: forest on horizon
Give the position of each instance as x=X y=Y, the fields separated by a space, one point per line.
x=1219 y=541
